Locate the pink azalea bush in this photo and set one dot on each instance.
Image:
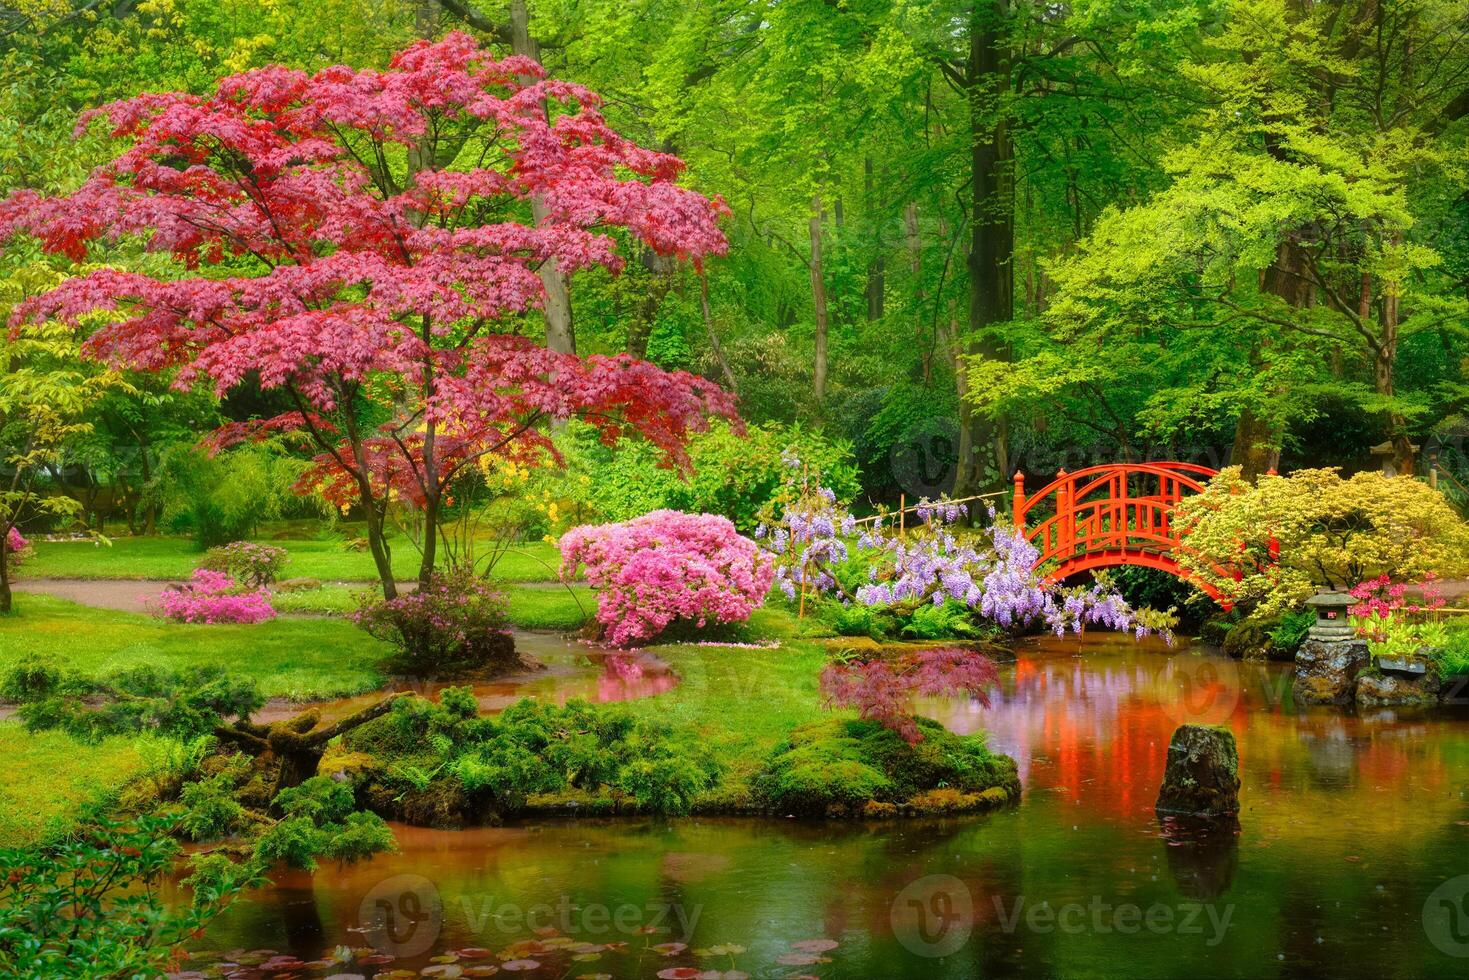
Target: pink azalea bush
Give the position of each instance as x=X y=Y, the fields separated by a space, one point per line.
x=16 y=546
x=255 y=565
x=667 y=567
x=213 y=597
x=454 y=624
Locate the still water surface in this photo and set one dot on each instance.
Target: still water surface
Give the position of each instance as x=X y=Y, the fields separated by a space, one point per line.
x=1349 y=824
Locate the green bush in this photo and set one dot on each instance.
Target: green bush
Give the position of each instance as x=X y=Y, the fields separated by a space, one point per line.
x=91 y=901
x=533 y=748
x=320 y=819
x=838 y=766
x=1288 y=634
x=1453 y=657
x=225 y=497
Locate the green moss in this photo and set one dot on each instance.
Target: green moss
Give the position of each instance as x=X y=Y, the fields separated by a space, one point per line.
x=838 y=766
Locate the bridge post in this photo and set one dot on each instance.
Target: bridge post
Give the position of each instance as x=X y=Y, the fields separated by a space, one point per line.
x=1017 y=507
x=1065 y=518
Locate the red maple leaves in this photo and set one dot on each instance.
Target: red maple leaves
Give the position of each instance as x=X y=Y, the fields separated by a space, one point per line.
x=362 y=234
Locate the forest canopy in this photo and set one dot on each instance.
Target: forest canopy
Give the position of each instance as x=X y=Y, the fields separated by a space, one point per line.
x=964 y=238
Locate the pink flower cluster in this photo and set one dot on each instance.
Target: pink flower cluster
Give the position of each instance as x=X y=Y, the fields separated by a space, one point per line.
x=212 y=597
x=667 y=566
x=16 y=542
x=1379 y=600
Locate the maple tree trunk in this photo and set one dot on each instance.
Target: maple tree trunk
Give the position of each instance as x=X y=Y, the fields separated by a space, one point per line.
x=818 y=302
x=992 y=230
x=560 y=331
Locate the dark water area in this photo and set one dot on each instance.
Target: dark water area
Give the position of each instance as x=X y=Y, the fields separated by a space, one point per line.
x=1351 y=859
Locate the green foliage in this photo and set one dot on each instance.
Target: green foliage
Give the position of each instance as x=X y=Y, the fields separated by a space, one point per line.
x=320 y=820
x=839 y=766
x=92 y=898
x=534 y=748
x=183 y=704
x=210 y=809
x=950 y=620
x=1290 y=632
x=735 y=476
x=225 y=497
x=1453 y=655
x=1328 y=530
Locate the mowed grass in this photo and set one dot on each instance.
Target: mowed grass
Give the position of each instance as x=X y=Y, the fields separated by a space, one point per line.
x=50 y=777
x=294 y=658
x=742 y=701
x=327 y=559
x=529 y=608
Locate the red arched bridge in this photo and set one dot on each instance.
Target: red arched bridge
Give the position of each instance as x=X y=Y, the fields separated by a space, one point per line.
x=1110 y=515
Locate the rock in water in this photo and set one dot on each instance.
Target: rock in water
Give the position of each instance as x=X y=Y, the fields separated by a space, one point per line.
x=1326 y=671
x=1202 y=777
x=1382 y=688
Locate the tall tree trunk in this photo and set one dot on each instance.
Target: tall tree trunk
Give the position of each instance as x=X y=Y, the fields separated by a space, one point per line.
x=818 y=302
x=1257 y=440
x=645 y=310
x=560 y=331
x=1384 y=356
x=877 y=268
x=714 y=344
x=915 y=266
x=992 y=230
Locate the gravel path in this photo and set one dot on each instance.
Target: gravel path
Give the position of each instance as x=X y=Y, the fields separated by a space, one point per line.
x=125 y=594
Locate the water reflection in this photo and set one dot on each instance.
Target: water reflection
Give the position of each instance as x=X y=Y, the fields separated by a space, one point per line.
x=1348 y=824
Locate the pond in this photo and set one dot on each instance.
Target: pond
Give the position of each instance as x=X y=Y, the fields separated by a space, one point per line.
x=1351 y=825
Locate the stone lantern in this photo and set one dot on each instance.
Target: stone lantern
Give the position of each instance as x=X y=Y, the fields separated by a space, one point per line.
x=1332 y=619
x=1328 y=663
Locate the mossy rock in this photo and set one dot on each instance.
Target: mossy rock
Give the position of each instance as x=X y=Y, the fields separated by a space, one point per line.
x=840 y=767
x=1249 y=640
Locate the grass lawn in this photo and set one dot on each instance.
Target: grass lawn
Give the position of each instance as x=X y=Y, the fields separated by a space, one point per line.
x=49 y=776
x=295 y=658
x=744 y=701
x=324 y=558
x=527 y=608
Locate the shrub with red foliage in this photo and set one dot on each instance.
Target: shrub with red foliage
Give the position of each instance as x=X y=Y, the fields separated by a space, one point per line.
x=882 y=689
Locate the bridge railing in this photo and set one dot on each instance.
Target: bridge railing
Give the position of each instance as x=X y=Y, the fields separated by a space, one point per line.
x=1117 y=507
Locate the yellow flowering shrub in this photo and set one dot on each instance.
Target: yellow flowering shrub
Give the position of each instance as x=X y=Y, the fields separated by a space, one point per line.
x=1332 y=532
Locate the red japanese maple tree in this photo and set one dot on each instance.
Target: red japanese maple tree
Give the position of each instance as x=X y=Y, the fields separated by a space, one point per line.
x=362 y=242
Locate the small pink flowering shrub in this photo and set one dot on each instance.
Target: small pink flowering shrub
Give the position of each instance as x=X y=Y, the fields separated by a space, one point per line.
x=17 y=547
x=255 y=565
x=454 y=624
x=213 y=597
x=667 y=567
